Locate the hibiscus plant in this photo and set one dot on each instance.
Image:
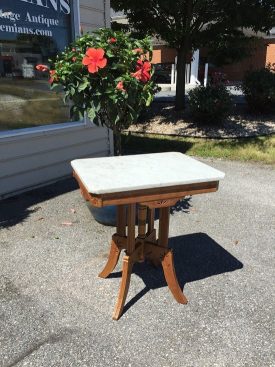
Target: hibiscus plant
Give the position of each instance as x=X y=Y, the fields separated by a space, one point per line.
x=108 y=76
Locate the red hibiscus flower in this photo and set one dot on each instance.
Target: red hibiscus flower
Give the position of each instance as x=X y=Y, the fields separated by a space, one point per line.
x=94 y=59
x=120 y=86
x=142 y=71
x=74 y=59
x=112 y=40
x=53 y=76
x=138 y=50
x=41 y=67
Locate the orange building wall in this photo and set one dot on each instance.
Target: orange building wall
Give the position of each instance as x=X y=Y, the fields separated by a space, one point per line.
x=270 y=53
x=265 y=53
x=163 y=54
x=256 y=61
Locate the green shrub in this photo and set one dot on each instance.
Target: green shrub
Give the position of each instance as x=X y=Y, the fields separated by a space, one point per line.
x=259 y=90
x=211 y=104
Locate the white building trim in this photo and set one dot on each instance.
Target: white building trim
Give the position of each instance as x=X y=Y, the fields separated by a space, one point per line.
x=195 y=68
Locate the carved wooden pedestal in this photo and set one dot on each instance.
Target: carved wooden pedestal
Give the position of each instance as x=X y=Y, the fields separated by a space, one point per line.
x=143 y=247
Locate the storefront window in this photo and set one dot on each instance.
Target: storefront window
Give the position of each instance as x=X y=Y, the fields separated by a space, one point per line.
x=31 y=33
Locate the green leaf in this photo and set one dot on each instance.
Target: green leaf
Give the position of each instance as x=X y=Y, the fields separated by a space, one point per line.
x=149 y=100
x=91 y=113
x=83 y=85
x=96 y=105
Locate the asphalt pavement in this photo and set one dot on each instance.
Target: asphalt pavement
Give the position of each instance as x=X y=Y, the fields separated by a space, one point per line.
x=55 y=311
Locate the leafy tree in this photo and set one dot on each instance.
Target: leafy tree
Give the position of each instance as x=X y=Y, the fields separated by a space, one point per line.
x=191 y=24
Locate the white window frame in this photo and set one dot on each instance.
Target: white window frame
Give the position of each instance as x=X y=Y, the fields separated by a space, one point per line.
x=51 y=128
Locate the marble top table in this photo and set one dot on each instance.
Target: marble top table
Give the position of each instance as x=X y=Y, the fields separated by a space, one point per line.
x=149 y=181
x=143 y=171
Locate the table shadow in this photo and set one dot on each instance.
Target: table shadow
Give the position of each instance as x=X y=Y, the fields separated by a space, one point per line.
x=196 y=256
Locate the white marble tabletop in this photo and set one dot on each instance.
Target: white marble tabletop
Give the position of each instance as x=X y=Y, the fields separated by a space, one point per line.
x=142 y=171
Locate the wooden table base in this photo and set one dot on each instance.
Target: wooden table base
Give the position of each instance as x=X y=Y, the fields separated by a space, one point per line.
x=143 y=247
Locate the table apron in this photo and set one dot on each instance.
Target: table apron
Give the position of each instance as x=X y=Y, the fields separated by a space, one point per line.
x=161 y=194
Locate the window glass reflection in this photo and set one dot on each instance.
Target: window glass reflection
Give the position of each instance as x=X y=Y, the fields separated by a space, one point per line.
x=31 y=33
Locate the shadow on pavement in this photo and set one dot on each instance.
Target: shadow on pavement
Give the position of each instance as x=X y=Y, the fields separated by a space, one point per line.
x=16 y=209
x=196 y=256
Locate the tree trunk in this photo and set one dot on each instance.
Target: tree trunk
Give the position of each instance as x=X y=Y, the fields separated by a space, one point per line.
x=180 y=89
x=117 y=142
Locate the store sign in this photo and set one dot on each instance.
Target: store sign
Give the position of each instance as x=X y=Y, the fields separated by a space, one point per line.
x=58 y=5
x=36 y=17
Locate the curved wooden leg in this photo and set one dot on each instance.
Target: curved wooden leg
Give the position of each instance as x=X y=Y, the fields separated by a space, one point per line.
x=124 y=286
x=112 y=260
x=171 y=278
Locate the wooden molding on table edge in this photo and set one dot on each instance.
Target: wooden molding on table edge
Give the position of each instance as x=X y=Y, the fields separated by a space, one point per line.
x=145 y=196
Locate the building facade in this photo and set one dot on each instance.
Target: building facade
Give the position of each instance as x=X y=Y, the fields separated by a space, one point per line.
x=261 y=56
x=37 y=138
x=164 y=57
